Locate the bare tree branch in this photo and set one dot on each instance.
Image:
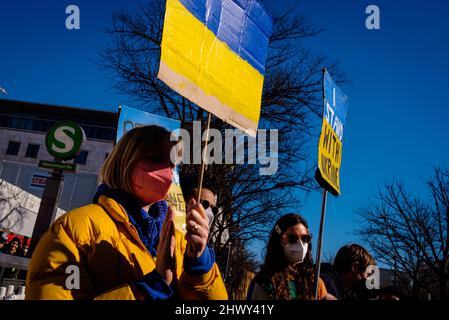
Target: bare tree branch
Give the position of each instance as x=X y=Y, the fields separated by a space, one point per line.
x=410 y=234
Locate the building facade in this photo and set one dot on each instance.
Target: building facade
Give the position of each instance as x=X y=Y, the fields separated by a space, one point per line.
x=23 y=128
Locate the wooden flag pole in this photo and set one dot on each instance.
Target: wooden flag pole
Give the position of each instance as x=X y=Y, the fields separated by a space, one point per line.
x=319 y=243
x=203 y=165
x=203 y=158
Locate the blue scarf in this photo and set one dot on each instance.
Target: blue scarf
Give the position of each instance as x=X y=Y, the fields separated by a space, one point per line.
x=148 y=224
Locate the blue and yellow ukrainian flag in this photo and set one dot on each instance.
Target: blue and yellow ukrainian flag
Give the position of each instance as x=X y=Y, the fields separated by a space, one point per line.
x=213 y=52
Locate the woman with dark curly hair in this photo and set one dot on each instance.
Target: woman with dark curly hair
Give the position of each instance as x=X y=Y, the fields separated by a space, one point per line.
x=288 y=272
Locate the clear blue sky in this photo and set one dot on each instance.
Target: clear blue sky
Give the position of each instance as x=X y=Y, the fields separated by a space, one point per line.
x=398 y=97
x=398 y=100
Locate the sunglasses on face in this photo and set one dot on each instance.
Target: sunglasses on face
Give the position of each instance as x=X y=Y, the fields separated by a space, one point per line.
x=293 y=238
x=206 y=204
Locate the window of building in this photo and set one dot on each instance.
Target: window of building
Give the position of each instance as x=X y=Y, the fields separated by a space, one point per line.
x=82 y=157
x=5 y=121
x=32 y=150
x=99 y=133
x=13 y=148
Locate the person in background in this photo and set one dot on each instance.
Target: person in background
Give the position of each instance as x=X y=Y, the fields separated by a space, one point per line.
x=124 y=245
x=346 y=278
x=24 y=252
x=208 y=198
x=12 y=247
x=2 y=242
x=288 y=272
x=239 y=287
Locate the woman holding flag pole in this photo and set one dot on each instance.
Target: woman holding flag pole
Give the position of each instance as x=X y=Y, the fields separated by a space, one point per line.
x=125 y=245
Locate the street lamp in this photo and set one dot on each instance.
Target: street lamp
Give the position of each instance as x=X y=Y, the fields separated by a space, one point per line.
x=3 y=91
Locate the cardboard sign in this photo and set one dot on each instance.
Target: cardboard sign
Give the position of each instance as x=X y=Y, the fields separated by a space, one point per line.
x=214 y=53
x=331 y=138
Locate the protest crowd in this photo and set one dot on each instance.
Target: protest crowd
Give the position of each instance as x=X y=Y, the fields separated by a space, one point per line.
x=210 y=58
x=126 y=246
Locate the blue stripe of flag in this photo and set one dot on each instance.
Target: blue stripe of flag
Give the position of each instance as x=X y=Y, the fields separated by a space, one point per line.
x=340 y=105
x=243 y=25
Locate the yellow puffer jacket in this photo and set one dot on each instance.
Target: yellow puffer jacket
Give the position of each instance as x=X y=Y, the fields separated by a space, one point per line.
x=101 y=241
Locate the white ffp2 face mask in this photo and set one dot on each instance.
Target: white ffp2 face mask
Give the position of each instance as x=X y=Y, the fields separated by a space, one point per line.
x=296 y=252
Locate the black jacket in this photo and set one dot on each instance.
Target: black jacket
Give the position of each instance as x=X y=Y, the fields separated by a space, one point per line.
x=332 y=280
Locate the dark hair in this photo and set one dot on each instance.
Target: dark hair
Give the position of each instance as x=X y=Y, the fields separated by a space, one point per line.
x=190 y=182
x=350 y=254
x=16 y=240
x=275 y=267
x=8 y=246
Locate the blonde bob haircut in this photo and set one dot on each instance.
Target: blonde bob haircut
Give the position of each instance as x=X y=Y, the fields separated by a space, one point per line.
x=141 y=143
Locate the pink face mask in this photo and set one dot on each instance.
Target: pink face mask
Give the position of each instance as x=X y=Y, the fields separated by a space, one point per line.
x=151 y=181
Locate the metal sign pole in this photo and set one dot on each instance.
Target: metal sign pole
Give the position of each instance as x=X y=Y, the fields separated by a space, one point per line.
x=47 y=207
x=319 y=243
x=57 y=146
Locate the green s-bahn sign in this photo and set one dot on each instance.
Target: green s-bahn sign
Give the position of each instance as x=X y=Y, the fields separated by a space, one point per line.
x=64 y=140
